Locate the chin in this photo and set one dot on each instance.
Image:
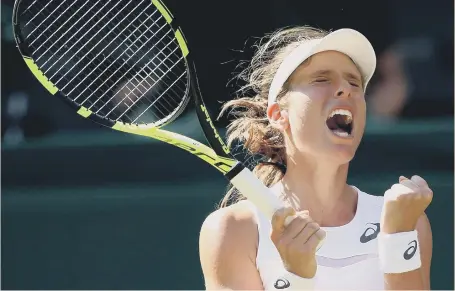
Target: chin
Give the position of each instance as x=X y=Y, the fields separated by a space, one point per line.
x=340 y=149
x=340 y=153
x=344 y=154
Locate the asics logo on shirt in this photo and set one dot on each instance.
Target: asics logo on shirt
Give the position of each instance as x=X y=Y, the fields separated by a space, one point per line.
x=282 y=284
x=370 y=233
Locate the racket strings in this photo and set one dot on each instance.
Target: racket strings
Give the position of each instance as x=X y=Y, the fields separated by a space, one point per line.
x=31 y=33
x=97 y=33
x=132 y=92
x=71 y=35
x=36 y=14
x=120 y=59
x=112 y=52
x=56 y=82
x=30 y=5
x=141 y=59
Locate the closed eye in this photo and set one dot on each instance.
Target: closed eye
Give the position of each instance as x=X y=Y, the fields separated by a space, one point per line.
x=355 y=84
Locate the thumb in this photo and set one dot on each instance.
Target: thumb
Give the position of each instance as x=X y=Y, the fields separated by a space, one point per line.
x=279 y=218
x=402 y=178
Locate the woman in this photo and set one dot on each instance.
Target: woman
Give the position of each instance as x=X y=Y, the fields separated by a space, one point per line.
x=308 y=117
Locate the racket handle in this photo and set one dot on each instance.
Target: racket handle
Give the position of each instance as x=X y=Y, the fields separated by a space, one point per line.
x=253 y=189
x=264 y=199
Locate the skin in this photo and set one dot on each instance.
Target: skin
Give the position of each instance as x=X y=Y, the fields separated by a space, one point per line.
x=317 y=160
x=315 y=180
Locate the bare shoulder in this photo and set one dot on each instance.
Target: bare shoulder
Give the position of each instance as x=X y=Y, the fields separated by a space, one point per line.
x=231 y=223
x=228 y=247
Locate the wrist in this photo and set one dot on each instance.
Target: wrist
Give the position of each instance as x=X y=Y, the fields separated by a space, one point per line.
x=399 y=252
x=397 y=229
x=290 y=281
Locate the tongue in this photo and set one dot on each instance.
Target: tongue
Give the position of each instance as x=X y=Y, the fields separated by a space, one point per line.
x=333 y=123
x=339 y=119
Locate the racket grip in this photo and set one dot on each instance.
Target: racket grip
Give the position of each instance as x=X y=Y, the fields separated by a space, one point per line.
x=255 y=191
x=260 y=195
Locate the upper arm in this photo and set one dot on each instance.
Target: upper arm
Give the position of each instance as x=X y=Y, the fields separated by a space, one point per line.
x=227 y=250
x=425 y=238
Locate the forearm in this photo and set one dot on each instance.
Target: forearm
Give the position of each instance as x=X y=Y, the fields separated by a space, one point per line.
x=412 y=280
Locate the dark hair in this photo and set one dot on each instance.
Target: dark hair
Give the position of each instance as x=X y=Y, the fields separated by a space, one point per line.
x=251 y=126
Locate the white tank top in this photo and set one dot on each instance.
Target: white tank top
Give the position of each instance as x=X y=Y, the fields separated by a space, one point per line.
x=348 y=259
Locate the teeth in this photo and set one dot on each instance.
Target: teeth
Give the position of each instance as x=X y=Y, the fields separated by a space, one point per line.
x=341 y=133
x=343 y=112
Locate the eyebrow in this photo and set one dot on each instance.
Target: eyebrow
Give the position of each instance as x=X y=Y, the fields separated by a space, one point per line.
x=329 y=72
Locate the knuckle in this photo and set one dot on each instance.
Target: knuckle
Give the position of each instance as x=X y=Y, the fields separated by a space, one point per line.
x=275 y=218
x=276 y=227
x=281 y=213
x=304 y=219
x=313 y=225
x=275 y=237
x=321 y=234
x=304 y=214
x=316 y=225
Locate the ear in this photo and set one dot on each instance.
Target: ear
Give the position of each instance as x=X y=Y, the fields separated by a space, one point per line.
x=277 y=117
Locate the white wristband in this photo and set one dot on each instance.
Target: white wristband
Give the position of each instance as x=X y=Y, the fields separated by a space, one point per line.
x=399 y=252
x=290 y=281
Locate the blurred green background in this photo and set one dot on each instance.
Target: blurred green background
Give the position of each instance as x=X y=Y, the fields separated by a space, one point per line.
x=87 y=208
x=114 y=212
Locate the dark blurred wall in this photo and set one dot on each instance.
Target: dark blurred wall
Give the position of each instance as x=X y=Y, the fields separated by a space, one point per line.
x=221 y=35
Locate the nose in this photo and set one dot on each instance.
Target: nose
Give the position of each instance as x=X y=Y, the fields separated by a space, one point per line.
x=344 y=90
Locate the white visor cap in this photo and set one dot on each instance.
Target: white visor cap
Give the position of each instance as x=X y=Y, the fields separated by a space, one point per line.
x=347 y=41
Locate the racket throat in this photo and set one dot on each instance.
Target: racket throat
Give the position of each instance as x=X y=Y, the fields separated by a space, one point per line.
x=211 y=134
x=234 y=171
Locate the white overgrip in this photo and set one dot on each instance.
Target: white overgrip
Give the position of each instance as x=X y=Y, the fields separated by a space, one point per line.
x=264 y=199
x=253 y=189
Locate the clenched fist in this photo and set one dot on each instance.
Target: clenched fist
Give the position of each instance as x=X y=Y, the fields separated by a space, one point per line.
x=297 y=242
x=404 y=203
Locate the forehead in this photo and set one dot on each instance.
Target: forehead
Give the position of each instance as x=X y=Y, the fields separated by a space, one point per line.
x=328 y=61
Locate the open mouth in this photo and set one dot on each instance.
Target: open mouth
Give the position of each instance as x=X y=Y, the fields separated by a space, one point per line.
x=340 y=122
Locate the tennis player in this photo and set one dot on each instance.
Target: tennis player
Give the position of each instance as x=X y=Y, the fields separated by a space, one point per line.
x=308 y=117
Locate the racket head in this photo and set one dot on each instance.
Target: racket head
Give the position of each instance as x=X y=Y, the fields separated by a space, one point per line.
x=114 y=62
x=70 y=56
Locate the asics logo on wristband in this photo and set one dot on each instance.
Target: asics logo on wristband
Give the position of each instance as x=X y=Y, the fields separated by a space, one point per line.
x=410 y=252
x=282 y=284
x=367 y=235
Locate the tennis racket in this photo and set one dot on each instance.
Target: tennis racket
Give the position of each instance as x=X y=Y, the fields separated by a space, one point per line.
x=125 y=64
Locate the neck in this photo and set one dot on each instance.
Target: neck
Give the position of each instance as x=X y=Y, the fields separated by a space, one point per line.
x=319 y=186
